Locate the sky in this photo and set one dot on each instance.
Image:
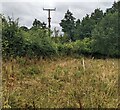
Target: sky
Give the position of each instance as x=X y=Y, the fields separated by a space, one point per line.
x=28 y=10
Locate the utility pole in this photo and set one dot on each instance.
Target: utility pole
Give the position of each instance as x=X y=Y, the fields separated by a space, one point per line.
x=49 y=18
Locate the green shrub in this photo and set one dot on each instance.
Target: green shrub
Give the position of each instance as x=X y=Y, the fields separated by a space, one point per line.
x=78 y=47
x=12 y=41
x=82 y=46
x=39 y=44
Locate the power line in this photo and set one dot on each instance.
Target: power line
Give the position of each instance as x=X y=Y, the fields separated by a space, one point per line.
x=49 y=18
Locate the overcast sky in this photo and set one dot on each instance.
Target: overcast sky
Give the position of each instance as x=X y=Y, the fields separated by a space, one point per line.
x=27 y=10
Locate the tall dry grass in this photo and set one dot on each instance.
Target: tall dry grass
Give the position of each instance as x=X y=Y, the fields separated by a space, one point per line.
x=60 y=83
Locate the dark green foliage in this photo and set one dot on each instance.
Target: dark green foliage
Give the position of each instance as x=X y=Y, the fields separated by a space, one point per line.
x=24 y=28
x=105 y=35
x=68 y=25
x=114 y=8
x=84 y=28
x=37 y=24
x=97 y=15
x=78 y=30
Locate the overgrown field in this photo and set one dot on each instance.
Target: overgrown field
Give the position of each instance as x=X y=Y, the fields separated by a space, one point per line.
x=60 y=83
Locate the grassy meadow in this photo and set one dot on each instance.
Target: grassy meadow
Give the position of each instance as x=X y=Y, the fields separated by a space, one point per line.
x=60 y=83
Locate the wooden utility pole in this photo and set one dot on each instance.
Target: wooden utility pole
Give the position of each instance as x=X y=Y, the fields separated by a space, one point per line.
x=49 y=18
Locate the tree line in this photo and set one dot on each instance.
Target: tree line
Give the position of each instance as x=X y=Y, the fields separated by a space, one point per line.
x=95 y=34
